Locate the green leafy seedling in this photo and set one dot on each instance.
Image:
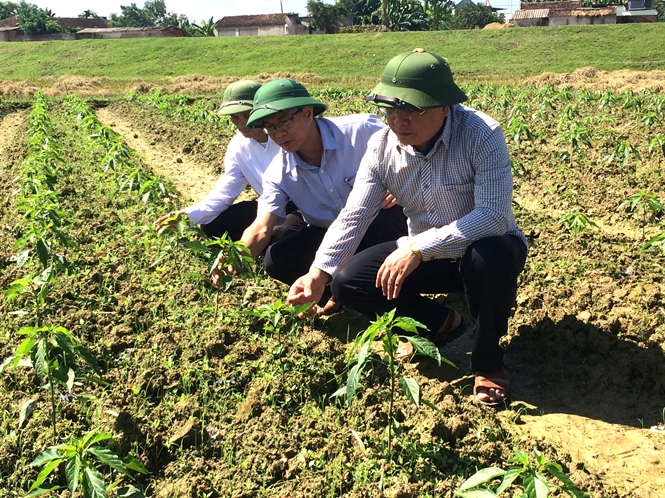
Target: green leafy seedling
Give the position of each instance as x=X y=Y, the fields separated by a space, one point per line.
x=643 y=201
x=384 y=327
x=82 y=472
x=532 y=476
x=47 y=350
x=576 y=224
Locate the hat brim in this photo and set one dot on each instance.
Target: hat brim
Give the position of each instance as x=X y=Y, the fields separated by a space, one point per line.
x=233 y=109
x=417 y=98
x=256 y=118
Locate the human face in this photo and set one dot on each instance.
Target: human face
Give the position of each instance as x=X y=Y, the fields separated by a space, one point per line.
x=416 y=128
x=240 y=122
x=289 y=129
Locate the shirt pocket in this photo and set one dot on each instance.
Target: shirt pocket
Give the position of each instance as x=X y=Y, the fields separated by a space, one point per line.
x=451 y=202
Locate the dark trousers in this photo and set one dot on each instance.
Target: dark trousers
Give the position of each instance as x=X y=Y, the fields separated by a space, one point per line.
x=291 y=257
x=487 y=274
x=240 y=215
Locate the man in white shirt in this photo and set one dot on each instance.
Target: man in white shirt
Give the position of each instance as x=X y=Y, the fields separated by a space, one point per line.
x=316 y=170
x=448 y=165
x=247 y=156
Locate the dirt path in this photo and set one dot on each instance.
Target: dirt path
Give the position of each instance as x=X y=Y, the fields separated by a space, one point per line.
x=9 y=127
x=190 y=178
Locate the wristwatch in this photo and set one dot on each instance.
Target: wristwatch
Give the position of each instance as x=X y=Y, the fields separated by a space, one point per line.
x=415 y=249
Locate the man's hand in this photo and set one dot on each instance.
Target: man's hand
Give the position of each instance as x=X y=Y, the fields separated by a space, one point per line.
x=397 y=266
x=388 y=200
x=308 y=289
x=169 y=221
x=219 y=269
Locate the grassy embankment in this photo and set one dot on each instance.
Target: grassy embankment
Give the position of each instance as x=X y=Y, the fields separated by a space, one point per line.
x=506 y=55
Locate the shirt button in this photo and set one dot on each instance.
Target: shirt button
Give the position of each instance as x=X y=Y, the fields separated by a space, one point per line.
x=332 y=189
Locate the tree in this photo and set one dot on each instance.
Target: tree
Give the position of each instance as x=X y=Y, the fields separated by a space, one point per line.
x=439 y=12
x=153 y=13
x=323 y=17
x=361 y=10
x=406 y=15
x=7 y=9
x=88 y=14
x=35 y=21
x=206 y=28
x=471 y=15
x=659 y=6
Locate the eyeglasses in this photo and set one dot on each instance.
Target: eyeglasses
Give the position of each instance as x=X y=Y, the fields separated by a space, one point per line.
x=272 y=129
x=405 y=114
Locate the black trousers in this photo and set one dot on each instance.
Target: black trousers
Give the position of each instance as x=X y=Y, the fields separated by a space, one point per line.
x=291 y=257
x=486 y=274
x=240 y=215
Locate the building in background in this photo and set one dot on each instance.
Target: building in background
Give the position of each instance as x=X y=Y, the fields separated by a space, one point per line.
x=261 y=25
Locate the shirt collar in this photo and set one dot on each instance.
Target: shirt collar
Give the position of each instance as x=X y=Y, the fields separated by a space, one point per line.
x=444 y=136
x=327 y=137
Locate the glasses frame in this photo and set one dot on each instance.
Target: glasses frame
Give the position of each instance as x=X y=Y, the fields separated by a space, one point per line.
x=269 y=129
x=392 y=113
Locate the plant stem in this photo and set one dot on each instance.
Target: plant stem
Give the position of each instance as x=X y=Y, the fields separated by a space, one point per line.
x=50 y=383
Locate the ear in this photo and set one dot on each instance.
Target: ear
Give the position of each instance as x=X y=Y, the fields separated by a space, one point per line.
x=308 y=111
x=446 y=111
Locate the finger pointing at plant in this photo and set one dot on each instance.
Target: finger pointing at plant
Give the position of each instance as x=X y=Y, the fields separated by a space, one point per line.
x=308 y=288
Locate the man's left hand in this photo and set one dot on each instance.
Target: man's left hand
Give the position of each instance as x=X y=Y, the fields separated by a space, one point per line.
x=398 y=265
x=388 y=200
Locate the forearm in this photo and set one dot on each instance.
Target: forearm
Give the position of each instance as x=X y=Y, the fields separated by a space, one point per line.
x=257 y=236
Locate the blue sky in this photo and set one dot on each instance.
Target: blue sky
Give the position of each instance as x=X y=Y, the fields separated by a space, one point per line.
x=196 y=10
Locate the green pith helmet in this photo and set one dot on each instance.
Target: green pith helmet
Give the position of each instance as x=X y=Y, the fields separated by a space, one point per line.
x=281 y=95
x=417 y=80
x=238 y=97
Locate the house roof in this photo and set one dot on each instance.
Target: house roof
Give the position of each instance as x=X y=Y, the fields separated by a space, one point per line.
x=531 y=14
x=79 y=22
x=552 y=6
x=125 y=29
x=257 y=20
x=622 y=12
x=10 y=22
x=9 y=28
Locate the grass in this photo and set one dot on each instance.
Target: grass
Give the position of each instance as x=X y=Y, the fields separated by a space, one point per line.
x=505 y=55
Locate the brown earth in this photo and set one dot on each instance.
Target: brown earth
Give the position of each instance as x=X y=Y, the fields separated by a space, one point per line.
x=587 y=408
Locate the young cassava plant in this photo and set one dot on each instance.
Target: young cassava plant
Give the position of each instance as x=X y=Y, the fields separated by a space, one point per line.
x=81 y=470
x=385 y=328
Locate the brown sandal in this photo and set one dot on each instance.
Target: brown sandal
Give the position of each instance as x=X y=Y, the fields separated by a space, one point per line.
x=496 y=379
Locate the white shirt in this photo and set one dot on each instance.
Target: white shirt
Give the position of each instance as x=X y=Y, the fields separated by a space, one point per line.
x=320 y=192
x=245 y=163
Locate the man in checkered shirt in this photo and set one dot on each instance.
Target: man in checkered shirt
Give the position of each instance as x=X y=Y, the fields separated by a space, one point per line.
x=448 y=166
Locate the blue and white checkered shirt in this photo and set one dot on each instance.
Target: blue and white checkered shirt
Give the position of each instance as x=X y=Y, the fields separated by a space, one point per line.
x=458 y=193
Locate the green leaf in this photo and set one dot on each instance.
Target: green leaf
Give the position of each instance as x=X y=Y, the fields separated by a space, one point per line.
x=409 y=324
x=569 y=486
x=50 y=466
x=481 y=477
x=353 y=382
x=42 y=491
x=72 y=470
x=46 y=456
x=70 y=379
x=26 y=346
x=129 y=492
x=23 y=258
x=65 y=343
x=93 y=484
x=477 y=493
x=89 y=359
x=133 y=464
x=39 y=361
x=196 y=246
x=511 y=474
x=425 y=347
x=541 y=486
x=411 y=389
x=43 y=251
x=102 y=436
x=431 y=405
x=26 y=410
x=339 y=392
x=10 y=361
x=109 y=458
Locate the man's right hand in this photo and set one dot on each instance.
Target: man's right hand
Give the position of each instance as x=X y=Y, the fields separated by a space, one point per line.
x=309 y=288
x=220 y=269
x=169 y=221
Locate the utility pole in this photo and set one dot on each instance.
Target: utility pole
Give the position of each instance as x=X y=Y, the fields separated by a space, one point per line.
x=281 y=7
